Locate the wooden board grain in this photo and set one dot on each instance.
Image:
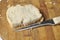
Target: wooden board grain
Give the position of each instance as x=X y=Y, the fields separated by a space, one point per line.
x=49 y=9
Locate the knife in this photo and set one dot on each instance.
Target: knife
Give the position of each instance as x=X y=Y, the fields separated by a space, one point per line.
x=52 y=21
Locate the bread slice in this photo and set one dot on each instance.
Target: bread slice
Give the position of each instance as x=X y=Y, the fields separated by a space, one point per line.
x=22 y=15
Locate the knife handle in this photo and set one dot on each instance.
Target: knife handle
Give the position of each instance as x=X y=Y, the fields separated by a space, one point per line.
x=56 y=20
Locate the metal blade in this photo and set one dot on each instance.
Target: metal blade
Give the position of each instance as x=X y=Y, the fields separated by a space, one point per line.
x=33 y=26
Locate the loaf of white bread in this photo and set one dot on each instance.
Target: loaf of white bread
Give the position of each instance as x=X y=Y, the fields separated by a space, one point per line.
x=22 y=15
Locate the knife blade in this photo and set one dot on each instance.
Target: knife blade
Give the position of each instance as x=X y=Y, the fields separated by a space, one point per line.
x=52 y=21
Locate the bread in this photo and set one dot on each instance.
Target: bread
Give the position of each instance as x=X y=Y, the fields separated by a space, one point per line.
x=22 y=15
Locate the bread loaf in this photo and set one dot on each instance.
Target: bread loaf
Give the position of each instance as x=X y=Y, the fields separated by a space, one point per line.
x=27 y=14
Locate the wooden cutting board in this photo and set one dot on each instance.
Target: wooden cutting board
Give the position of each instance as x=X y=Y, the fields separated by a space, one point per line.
x=49 y=9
